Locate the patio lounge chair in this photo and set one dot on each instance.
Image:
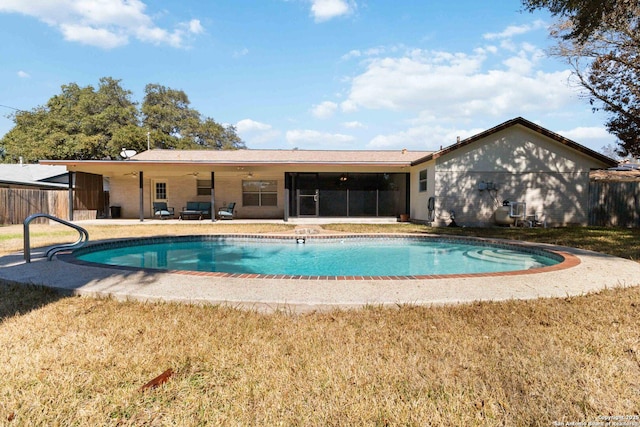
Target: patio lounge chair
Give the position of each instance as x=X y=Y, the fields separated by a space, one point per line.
x=227 y=213
x=162 y=211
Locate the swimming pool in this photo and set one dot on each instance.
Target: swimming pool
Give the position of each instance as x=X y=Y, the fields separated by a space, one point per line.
x=344 y=256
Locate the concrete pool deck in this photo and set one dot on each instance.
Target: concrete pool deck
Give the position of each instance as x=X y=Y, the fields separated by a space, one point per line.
x=588 y=272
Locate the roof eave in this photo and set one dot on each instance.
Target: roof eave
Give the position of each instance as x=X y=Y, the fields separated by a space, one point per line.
x=530 y=125
x=224 y=163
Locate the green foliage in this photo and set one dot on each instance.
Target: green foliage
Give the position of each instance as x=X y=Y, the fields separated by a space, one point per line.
x=586 y=15
x=601 y=41
x=87 y=124
x=174 y=124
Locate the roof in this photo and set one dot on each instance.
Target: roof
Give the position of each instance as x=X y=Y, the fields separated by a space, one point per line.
x=34 y=175
x=530 y=125
x=354 y=157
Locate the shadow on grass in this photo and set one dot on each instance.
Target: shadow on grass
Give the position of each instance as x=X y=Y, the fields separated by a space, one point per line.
x=17 y=298
x=620 y=242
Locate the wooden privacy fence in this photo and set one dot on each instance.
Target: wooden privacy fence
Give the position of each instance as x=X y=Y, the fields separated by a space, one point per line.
x=614 y=204
x=16 y=204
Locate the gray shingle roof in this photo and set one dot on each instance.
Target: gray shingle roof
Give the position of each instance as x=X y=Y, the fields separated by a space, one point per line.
x=31 y=174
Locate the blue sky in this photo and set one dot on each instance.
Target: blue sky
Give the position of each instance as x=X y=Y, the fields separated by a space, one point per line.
x=311 y=74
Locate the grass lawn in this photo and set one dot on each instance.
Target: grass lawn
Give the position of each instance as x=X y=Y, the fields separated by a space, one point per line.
x=82 y=361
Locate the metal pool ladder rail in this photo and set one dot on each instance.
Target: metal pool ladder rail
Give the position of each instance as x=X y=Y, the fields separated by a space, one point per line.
x=84 y=236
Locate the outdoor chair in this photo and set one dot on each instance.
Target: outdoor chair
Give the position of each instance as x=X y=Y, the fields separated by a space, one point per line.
x=191 y=211
x=227 y=213
x=205 y=208
x=196 y=210
x=162 y=211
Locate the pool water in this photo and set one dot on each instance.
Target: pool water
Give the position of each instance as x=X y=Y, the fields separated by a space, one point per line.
x=321 y=257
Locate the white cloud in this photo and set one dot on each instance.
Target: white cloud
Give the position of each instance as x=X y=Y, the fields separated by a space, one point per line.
x=256 y=134
x=311 y=139
x=102 y=23
x=353 y=125
x=99 y=37
x=240 y=53
x=515 y=30
x=587 y=133
x=23 y=74
x=458 y=85
x=324 y=110
x=430 y=137
x=356 y=53
x=195 y=27
x=324 y=10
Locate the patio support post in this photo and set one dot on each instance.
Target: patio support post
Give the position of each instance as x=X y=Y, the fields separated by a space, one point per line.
x=71 y=176
x=287 y=186
x=213 y=197
x=141 y=187
x=407 y=202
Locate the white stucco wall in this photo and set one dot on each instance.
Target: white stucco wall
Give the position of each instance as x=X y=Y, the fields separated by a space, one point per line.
x=525 y=166
x=419 y=199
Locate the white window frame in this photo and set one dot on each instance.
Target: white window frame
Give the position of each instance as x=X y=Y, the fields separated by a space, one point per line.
x=422 y=181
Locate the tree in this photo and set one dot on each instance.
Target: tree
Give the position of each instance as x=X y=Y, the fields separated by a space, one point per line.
x=87 y=124
x=587 y=16
x=174 y=124
x=213 y=135
x=79 y=123
x=601 y=41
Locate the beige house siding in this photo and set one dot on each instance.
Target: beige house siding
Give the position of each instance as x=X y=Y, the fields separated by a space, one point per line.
x=180 y=190
x=522 y=160
x=182 y=186
x=557 y=198
x=525 y=166
x=419 y=199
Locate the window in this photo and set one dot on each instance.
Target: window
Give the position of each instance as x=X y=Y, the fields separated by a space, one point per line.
x=161 y=190
x=204 y=187
x=260 y=193
x=422 y=181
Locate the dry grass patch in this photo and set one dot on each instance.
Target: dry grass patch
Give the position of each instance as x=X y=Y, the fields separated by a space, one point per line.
x=82 y=361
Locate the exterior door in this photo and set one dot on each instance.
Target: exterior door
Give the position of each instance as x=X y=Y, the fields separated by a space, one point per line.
x=308 y=194
x=159 y=191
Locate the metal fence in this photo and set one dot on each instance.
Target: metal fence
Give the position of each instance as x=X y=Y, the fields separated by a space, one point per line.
x=614 y=204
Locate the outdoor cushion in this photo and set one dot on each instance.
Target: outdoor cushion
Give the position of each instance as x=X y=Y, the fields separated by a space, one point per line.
x=205 y=207
x=192 y=206
x=162 y=210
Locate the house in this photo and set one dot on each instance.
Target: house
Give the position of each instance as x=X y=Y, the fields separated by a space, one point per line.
x=516 y=161
x=33 y=176
x=27 y=188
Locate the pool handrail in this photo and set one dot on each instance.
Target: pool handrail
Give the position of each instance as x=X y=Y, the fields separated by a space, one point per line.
x=82 y=239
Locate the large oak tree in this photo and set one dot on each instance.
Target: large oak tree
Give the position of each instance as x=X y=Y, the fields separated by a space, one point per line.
x=87 y=124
